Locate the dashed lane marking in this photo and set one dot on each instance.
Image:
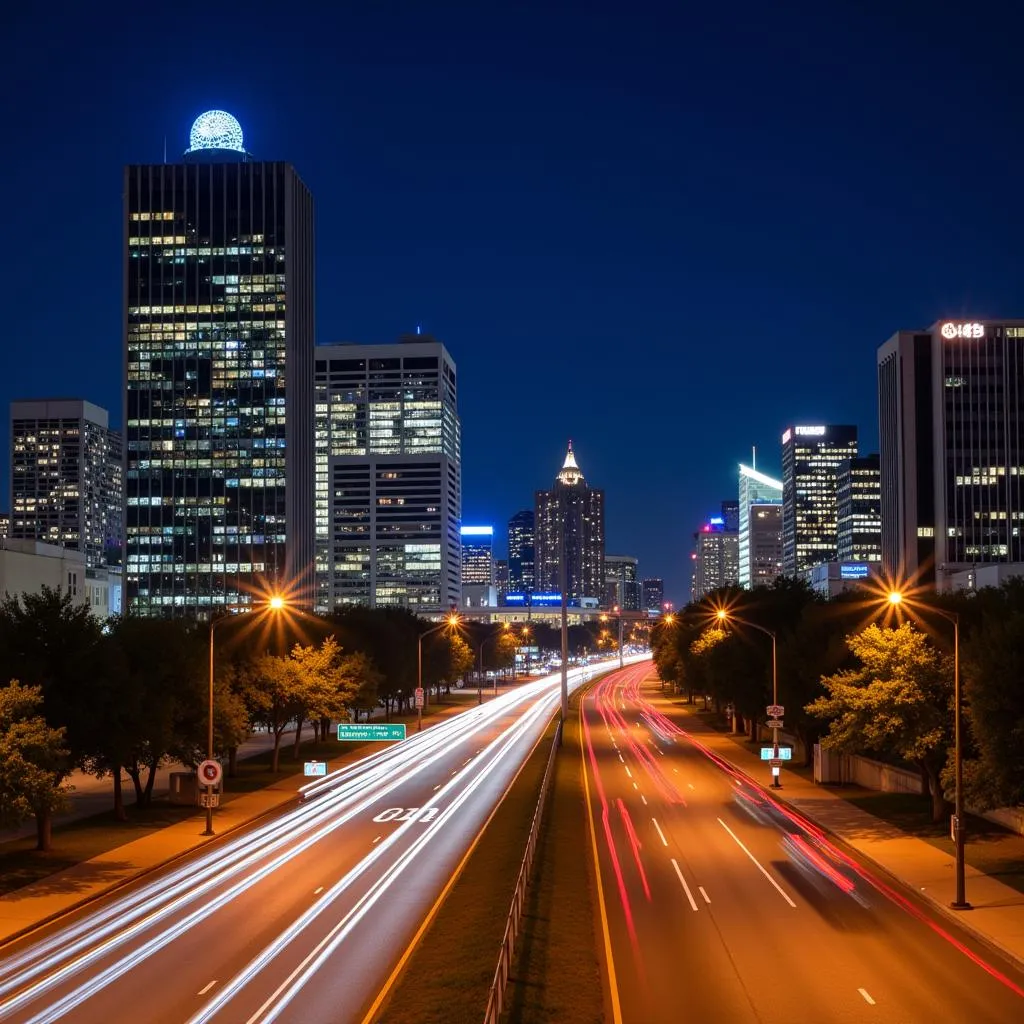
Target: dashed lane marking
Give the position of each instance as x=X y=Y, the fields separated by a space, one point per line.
x=862 y=991
x=316 y=892
x=700 y=889
x=757 y=863
x=686 y=888
x=207 y=988
x=664 y=841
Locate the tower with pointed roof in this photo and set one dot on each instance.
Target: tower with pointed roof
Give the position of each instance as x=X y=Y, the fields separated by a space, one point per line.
x=574 y=509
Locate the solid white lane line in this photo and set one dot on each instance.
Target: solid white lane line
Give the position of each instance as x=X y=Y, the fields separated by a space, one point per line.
x=628 y=772
x=316 y=892
x=862 y=991
x=664 y=841
x=760 y=867
x=642 y=797
x=207 y=988
x=686 y=888
x=707 y=898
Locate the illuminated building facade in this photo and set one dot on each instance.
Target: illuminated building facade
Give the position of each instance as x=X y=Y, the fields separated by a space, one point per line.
x=717 y=548
x=652 y=592
x=622 y=585
x=764 y=543
x=575 y=510
x=859 y=510
x=477 y=555
x=66 y=479
x=951 y=431
x=501 y=577
x=219 y=376
x=811 y=455
x=756 y=488
x=521 y=552
x=388 y=476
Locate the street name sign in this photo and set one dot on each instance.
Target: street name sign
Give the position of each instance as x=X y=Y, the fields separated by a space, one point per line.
x=774 y=723
x=776 y=762
x=370 y=732
x=775 y=710
x=784 y=754
x=314 y=768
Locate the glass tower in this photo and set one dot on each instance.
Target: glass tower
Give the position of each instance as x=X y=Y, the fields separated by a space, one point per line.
x=219 y=376
x=521 y=574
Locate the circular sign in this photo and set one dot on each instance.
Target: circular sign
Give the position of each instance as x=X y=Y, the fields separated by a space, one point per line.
x=210 y=773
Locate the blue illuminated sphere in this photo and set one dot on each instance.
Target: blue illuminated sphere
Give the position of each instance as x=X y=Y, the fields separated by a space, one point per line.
x=216 y=129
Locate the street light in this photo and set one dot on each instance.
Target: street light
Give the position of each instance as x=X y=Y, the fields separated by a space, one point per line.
x=449 y=622
x=723 y=616
x=895 y=599
x=275 y=603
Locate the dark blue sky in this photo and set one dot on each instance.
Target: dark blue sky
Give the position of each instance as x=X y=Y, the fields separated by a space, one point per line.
x=661 y=229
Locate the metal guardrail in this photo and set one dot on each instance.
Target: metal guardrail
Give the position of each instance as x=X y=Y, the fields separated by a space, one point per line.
x=496 y=998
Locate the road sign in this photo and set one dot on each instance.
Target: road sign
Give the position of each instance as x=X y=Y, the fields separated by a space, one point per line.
x=775 y=762
x=314 y=768
x=776 y=710
x=418 y=696
x=774 y=723
x=351 y=733
x=784 y=754
x=210 y=773
x=209 y=799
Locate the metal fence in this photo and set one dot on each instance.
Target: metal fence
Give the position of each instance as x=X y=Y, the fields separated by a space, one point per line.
x=496 y=998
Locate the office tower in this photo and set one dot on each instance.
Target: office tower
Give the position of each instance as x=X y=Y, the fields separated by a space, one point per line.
x=859 y=510
x=622 y=586
x=501 y=577
x=652 y=592
x=718 y=556
x=388 y=475
x=810 y=458
x=477 y=555
x=219 y=365
x=521 y=568
x=951 y=404
x=575 y=510
x=760 y=489
x=5 y=524
x=764 y=543
x=66 y=486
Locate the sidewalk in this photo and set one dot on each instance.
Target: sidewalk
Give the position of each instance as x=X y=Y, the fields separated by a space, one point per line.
x=998 y=914
x=28 y=907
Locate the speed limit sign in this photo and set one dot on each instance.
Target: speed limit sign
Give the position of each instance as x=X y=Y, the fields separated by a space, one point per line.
x=210 y=773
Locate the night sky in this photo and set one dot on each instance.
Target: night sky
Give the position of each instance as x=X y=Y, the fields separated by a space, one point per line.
x=662 y=233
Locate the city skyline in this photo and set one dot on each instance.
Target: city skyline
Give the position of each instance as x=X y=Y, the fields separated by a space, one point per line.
x=432 y=201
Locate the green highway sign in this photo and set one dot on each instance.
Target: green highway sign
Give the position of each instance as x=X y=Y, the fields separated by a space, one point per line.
x=784 y=754
x=370 y=732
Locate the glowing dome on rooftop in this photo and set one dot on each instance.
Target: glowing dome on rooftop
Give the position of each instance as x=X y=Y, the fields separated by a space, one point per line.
x=216 y=129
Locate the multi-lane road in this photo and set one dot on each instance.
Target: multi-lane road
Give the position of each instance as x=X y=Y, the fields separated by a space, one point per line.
x=721 y=904
x=302 y=918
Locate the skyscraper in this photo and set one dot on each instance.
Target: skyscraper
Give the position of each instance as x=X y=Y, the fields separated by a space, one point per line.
x=66 y=481
x=388 y=475
x=652 y=594
x=718 y=555
x=571 y=512
x=755 y=488
x=622 y=586
x=521 y=554
x=951 y=430
x=219 y=376
x=477 y=555
x=859 y=510
x=810 y=459
x=765 y=543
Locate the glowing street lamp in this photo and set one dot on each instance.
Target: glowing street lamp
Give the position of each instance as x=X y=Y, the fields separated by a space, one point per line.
x=275 y=603
x=449 y=622
x=895 y=598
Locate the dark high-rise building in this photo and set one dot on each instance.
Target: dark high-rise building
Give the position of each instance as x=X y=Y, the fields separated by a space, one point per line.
x=951 y=431
x=573 y=513
x=521 y=556
x=622 y=587
x=66 y=485
x=388 y=476
x=501 y=577
x=810 y=460
x=859 y=510
x=652 y=594
x=219 y=377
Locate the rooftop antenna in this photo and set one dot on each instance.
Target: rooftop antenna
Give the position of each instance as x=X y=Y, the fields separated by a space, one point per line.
x=165 y=149
x=753 y=457
x=419 y=329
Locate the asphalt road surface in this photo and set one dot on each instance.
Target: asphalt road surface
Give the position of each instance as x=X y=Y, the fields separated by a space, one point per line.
x=302 y=918
x=724 y=906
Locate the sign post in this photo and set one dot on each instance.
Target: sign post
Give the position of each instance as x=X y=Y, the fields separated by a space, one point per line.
x=775 y=713
x=209 y=773
x=418 y=699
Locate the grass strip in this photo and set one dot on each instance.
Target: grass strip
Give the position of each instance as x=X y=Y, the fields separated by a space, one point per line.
x=449 y=974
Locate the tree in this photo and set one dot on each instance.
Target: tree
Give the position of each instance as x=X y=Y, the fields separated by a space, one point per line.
x=897 y=703
x=364 y=681
x=34 y=762
x=324 y=690
x=273 y=694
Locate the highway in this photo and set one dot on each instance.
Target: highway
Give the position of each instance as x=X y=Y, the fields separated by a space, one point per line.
x=723 y=905
x=301 y=918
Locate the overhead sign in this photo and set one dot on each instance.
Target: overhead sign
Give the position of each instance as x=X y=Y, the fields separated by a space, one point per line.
x=784 y=754
x=314 y=768
x=210 y=773
x=369 y=733
x=971 y=330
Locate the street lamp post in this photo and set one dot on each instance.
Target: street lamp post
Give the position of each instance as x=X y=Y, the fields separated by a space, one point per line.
x=959 y=836
x=451 y=620
x=276 y=603
x=724 y=616
x=480 y=654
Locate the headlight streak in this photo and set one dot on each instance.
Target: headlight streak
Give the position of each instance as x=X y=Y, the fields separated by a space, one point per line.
x=352 y=790
x=500 y=747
